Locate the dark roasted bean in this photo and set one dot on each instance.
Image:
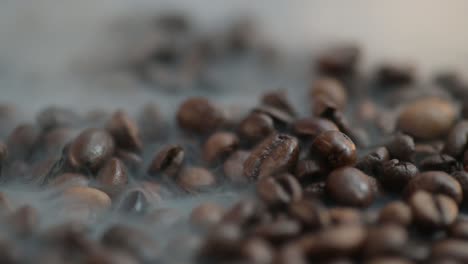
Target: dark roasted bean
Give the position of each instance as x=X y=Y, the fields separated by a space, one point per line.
x=457 y=139
x=233 y=167
x=310 y=213
x=451 y=249
x=195 y=179
x=132 y=160
x=113 y=176
x=87 y=197
x=275 y=154
x=222 y=242
x=396 y=174
x=388 y=260
x=334 y=149
x=459 y=229
x=167 y=161
x=428 y=118
x=433 y=210
x=206 y=215
x=396 y=213
x=401 y=147
x=199 y=115
x=245 y=212
x=330 y=89
x=350 y=186
x=22 y=140
x=345 y=216
x=278 y=231
x=164 y=217
x=462 y=178
x=125 y=132
x=435 y=182
x=90 y=149
x=291 y=253
x=55 y=116
x=279 y=100
x=257 y=250
x=371 y=164
x=308 y=170
x=255 y=127
x=280 y=117
x=219 y=145
x=315 y=190
x=138 y=200
x=279 y=190
x=439 y=162
x=67 y=180
x=396 y=74
x=310 y=128
x=53 y=140
x=339 y=61
x=385 y=240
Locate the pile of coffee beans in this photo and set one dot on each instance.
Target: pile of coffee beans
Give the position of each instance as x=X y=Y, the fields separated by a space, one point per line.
x=368 y=169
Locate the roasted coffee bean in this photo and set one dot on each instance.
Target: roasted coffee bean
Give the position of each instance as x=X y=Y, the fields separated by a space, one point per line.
x=331 y=89
x=385 y=240
x=395 y=213
x=233 y=167
x=164 y=217
x=206 y=215
x=222 y=243
x=291 y=253
x=401 y=147
x=372 y=163
x=427 y=118
x=113 y=176
x=396 y=174
x=345 y=216
x=388 y=260
x=334 y=149
x=134 y=202
x=435 y=182
x=462 y=178
x=367 y=111
x=279 y=100
x=308 y=170
x=315 y=190
x=350 y=186
x=457 y=139
x=439 y=162
x=451 y=249
x=24 y=220
x=86 y=196
x=310 y=128
x=279 y=190
x=167 y=161
x=132 y=241
x=465 y=160
x=275 y=154
x=339 y=61
x=255 y=127
x=433 y=210
x=281 y=119
x=90 y=149
x=67 y=180
x=278 y=231
x=131 y=160
x=245 y=212
x=310 y=213
x=22 y=141
x=196 y=179
x=125 y=132
x=336 y=241
x=198 y=115
x=396 y=74
x=219 y=145
x=55 y=116
x=257 y=250
x=459 y=229
x=53 y=140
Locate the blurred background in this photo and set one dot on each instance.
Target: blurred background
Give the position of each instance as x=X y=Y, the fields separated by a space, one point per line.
x=66 y=52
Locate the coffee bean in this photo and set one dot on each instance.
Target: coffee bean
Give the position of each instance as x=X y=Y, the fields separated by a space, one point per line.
x=275 y=154
x=22 y=140
x=255 y=127
x=401 y=147
x=462 y=178
x=125 y=132
x=451 y=249
x=465 y=160
x=311 y=214
x=132 y=241
x=385 y=240
x=395 y=74
x=222 y=243
x=233 y=167
x=457 y=139
x=396 y=174
x=279 y=100
x=245 y=213
x=135 y=202
x=315 y=190
x=308 y=170
x=310 y=128
x=334 y=149
x=388 y=260
x=257 y=250
x=206 y=215
x=439 y=162
x=131 y=160
x=396 y=213
x=427 y=118
x=55 y=116
x=86 y=196
x=281 y=119
x=350 y=186
x=219 y=145
x=345 y=216
x=167 y=161
x=67 y=180
x=198 y=115
x=278 y=231
x=459 y=229
x=164 y=217
x=291 y=253
x=433 y=210
x=435 y=182
x=372 y=163
x=336 y=241
x=331 y=89
x=53 y=140
x=90 y=149
x=196 y=179
x=339 y=61
x=113 y=176
x=279 y=190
